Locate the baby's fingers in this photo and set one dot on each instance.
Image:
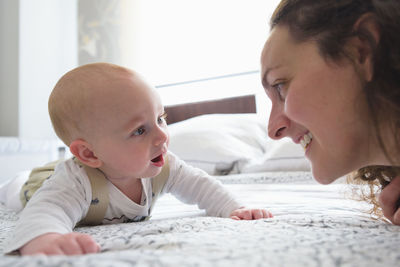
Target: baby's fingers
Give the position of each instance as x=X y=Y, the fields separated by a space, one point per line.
x=258 y=214
x=246 y=214
x=53 y=250
x=267 y=214
x=77 y=243
x=241 y=214
x=250 y=214
x=87 y=244
x=261 y=213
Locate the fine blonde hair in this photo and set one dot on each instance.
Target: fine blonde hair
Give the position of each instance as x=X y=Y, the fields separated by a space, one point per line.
x=68 y=102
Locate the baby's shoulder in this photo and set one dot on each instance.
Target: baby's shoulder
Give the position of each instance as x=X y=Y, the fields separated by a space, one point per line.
x=71 y=171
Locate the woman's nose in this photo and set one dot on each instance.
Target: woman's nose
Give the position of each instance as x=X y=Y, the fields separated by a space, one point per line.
x=161 y=136
x=278 y=125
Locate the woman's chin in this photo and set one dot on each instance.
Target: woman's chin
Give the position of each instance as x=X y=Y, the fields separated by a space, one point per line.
x=323 y=177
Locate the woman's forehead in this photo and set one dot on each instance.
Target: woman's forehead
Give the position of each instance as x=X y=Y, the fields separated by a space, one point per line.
x=278 y=49
x=279 y=40
x=281 y=50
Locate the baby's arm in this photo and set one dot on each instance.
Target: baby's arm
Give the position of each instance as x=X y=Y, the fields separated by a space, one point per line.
x=54 y=209
x=60 y=244
x=250 y=214
x=194 y=186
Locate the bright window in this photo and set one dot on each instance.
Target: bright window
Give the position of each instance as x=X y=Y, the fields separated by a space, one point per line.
x=175 y=41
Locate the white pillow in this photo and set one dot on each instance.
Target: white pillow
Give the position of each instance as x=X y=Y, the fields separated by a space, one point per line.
x=282 y=155
x=216 y=143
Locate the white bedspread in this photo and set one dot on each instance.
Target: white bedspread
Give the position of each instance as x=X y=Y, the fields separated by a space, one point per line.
x=314 y=225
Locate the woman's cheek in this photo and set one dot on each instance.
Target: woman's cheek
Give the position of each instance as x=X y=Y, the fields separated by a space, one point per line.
x=294 y=108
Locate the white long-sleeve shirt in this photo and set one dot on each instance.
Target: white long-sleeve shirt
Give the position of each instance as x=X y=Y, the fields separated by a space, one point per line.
x=64 y=199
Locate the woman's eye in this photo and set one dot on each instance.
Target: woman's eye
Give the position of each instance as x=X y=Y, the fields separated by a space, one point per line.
x=279 y=88
x=139 y=131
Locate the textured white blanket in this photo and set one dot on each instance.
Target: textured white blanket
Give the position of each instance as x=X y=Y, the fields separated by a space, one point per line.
x=314 y=225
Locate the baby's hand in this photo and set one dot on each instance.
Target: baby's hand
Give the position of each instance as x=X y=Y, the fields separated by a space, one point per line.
x=250 y=214
x=60 y=244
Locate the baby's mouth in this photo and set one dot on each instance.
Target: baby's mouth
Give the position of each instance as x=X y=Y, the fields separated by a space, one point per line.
x=306 y=140
x=158 y=161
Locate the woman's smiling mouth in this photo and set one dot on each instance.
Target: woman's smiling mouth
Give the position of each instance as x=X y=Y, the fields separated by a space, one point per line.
x=306 y=140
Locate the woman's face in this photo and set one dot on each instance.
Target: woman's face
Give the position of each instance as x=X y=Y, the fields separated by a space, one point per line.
x=318 y=104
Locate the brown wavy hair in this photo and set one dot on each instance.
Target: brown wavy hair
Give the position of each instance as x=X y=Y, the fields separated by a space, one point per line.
x=330 y=23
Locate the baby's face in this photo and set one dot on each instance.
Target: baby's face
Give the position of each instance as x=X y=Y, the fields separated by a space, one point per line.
x=130 y=135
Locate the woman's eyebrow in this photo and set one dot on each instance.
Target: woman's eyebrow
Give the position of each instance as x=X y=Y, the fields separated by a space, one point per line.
x=264 y=82
x=264 y=78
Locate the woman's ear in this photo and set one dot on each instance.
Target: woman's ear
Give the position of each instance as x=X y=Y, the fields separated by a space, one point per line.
x=364 y=43
x=84 y=153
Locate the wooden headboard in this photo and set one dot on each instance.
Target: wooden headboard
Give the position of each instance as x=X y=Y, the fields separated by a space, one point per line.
x=240 y=104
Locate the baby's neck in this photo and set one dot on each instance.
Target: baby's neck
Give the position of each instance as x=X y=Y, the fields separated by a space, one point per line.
x=132 y=188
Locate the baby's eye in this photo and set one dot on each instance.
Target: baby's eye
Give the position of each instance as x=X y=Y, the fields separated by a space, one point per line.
x=162 y=119
x=139 y=131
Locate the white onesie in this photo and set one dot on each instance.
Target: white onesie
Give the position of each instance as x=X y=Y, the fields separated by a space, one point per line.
x=64 y=199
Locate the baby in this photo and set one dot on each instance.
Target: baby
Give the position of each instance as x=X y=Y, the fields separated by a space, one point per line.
x=114 y=123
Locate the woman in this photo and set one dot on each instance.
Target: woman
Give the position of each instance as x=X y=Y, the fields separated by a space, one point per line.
x=332 y=71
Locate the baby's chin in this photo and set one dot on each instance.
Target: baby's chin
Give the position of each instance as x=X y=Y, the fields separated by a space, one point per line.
x=151 y=173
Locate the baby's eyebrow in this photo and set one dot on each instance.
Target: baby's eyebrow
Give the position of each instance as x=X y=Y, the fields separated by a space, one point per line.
x=133 y=123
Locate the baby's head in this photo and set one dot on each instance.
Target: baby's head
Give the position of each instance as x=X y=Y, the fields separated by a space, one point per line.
x=106 y=113
x=71 y=103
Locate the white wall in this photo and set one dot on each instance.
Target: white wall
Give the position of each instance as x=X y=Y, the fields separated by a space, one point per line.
x=9 y=22
x=48 y=48
x=39 y=44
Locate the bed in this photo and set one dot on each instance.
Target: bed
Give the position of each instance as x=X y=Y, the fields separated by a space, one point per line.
x=313 y=224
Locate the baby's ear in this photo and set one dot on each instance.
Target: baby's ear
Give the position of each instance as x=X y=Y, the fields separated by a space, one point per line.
x=82 y=150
